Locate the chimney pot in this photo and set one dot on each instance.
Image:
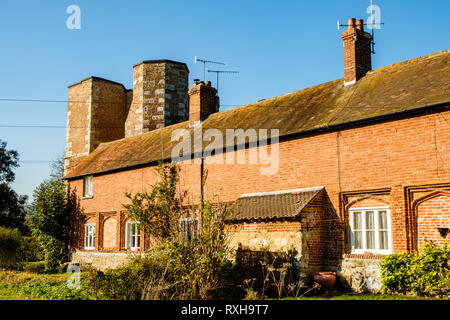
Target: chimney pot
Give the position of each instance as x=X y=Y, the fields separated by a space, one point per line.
x=360 y=24
x=351 y=23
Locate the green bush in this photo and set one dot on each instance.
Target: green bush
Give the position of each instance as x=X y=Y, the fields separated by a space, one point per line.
x=125 y=283
x=427 y=273
x=10 y=242
x=31 y=250
x=34 y=267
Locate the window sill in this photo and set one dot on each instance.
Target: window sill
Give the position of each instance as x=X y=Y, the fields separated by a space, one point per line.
x=85 y=198
x=366 y=255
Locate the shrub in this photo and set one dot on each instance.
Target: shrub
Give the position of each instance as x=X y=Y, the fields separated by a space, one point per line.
x=128 y=282
x=34 y=267
x=31 y=250
x=189 y=264
x=49 y=219
x=10 y=242
x=422 y=274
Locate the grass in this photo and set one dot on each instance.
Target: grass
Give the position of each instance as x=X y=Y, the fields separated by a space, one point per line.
x=22 y=285
x=363 y=296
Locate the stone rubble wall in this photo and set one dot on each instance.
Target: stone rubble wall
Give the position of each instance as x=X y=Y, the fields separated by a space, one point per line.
x=101 y=260
x=360 y=274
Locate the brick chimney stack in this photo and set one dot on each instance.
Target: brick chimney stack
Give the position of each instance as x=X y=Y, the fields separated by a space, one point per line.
x=203 y=101
x=357 y=51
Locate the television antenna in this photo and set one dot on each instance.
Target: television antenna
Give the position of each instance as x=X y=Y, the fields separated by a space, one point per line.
x=204 y=64
x=219 y=72
x=372 y=26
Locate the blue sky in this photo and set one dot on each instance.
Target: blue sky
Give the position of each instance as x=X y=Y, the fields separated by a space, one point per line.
x=278 y=47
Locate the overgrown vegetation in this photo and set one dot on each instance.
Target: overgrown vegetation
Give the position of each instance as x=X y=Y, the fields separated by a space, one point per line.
x=183 y=263
x=272 y=275
x=10 y=243
x=50 y=217
x=425 y=274
x=26 y=285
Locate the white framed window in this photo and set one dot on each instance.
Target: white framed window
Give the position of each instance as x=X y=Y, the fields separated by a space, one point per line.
x=370 y=230
x=89 y=236
x=189 y=227
x=133 y=235
x=88 y=186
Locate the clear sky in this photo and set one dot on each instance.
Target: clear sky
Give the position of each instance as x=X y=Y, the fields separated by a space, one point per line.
x=278 y=47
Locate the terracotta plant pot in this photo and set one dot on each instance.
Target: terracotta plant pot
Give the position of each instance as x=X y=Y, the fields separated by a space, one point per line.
x=327 y=280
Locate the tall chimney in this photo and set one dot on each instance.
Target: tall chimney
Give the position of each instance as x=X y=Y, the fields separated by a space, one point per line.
x=203 y=101
x=357 y=51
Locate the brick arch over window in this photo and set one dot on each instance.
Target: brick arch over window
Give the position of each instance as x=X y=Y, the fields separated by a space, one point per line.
x=431 y=211
x=110 y=226
x=367 y=202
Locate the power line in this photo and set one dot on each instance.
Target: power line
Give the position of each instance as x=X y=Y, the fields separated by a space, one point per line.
x=134 y=103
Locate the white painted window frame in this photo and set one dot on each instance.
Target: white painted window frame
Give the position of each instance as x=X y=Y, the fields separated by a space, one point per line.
x=184 y=226
x=88 y=187
x=377 y=230
x=89 y=236
x=128 y=236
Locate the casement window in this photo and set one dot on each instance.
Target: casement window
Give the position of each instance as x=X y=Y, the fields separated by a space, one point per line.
x=370 y=230
x=89 y=236
x=88 y=186
x=133 y=236
x=188 y=226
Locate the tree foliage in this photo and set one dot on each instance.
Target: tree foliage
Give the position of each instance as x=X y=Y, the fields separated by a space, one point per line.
x=177 y=266
x=12 y=206
x=12 y=209
x=9 y=159
x=159 y=210
x=50 y=218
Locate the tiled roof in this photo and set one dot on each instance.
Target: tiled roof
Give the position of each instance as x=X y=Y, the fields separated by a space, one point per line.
x=398 y=87
x=270 y=205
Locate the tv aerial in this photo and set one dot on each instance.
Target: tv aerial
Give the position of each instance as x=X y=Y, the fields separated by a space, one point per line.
x=219 y=72
x=372 y=25
x=204 y=64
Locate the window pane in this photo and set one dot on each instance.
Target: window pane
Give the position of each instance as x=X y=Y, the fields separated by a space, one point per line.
x=370 y=240
x=357 y=221
x=382 y=220
x=357 y=239
x=133 y=242
x=128 y=240
x=384 y=240
x=369 y=220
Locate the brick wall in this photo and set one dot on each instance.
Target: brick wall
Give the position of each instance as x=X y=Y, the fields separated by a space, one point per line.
x=432 y=213
x=96 y=114
x=202 y=102
x=389 y=156
x=357 y=51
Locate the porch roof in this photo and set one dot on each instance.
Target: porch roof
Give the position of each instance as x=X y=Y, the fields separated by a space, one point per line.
x=272 y=205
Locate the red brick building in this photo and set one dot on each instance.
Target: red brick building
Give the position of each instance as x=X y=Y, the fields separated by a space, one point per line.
x=362 y=169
